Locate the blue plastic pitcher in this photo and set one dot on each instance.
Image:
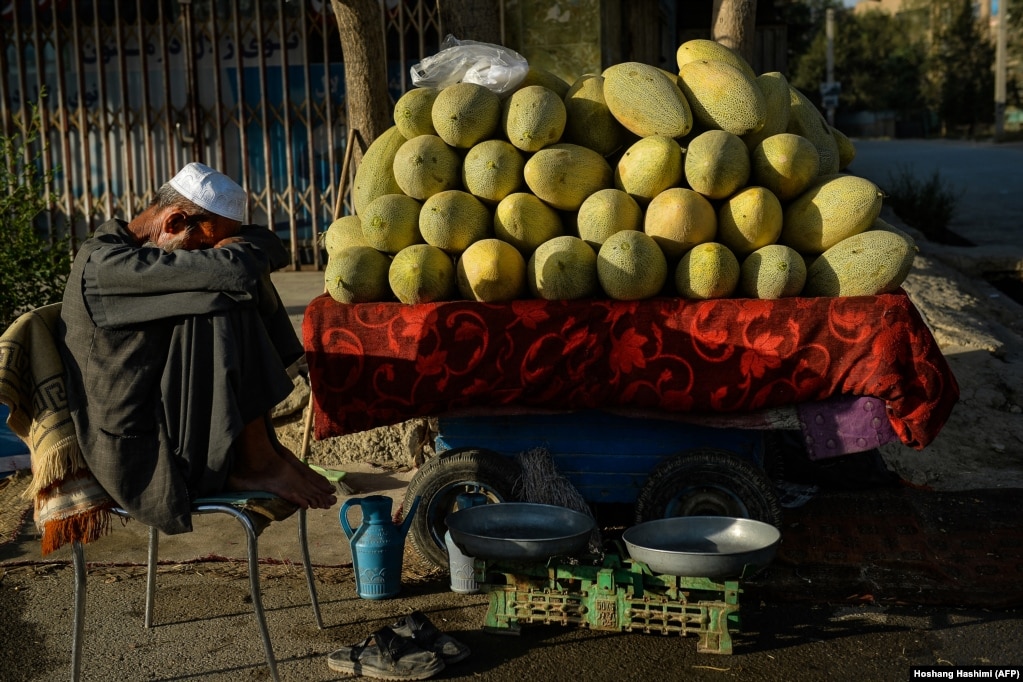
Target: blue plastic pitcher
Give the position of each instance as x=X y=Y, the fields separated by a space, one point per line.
x=378 y=545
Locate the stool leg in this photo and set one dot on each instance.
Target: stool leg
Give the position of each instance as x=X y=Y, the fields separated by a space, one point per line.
x=154 y=550
x=253 y=552
x=303 y=540
x=78 y=625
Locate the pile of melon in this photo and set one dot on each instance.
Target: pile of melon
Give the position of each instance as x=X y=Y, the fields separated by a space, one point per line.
x=709 y=183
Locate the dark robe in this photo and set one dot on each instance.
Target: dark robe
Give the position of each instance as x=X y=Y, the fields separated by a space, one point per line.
x=168 y=356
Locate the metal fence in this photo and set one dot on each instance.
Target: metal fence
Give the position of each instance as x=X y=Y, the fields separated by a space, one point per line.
x=128 y=91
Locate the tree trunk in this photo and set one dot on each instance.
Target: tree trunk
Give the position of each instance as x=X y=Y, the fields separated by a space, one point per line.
x=365 y=61
x=733 y=24
x=471 y=20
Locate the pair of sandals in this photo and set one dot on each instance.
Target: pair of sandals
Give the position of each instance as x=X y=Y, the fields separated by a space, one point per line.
x=411 y=649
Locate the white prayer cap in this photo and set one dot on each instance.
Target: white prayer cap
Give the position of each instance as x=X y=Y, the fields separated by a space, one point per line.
x=211 y=190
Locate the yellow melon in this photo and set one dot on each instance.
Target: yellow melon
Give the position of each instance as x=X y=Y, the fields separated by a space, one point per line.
x=564 y=174
x=357 y=274
x=706 y=271
x=846 y=148
x=775 y=88
x=678 y=219
x=525 y=222
x=562 y=269
x=631 y=266
x=492 y=170
x=590 y=122
x=533 y=117
x=426 y=165
x=648 y=167
x=716 y=164
x=344 y=232
x=413 y=112
x=422 y=273
x=491 y=271
x=722 y=97
x=537 y=75
x=646 y=101
x=786 y=164
x=375 y=175
x=865 y=264
x=452 y=220
x=465 y=114
x=806 y=119
x=773 y=271
x=699 y=49
x=605 y=212
x=391 y=222
x=834 y=208
x=749 y=219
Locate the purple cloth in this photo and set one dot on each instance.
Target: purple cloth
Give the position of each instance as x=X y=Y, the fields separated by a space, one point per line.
x=843 y=426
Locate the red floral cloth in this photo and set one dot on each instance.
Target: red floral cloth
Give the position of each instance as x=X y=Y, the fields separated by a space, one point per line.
x=377 y=364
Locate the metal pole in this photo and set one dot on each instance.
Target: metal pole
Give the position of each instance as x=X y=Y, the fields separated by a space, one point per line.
x=1000 y=68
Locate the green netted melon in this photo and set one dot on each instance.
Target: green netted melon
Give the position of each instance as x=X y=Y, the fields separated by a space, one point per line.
x=834 y=208
x=716 y=164
x=590 y=122
x=426 y=165
x=723 y=97
x=413 y=112
x=648 y=167
x=375 y=174
x=605 y=212
x=357 y=274
x=391 y=222
x=563 y=175
x=465 y=114
x=562 y=269
x=773 y=271
x=646 y=101
x=806 y=119
x=706 y=271
x=631 y=266
x=533 y=117
x=492 y=170
x=865 y=264
x=344 y=232
x=699 y=49
x=452 y=220
x=422 y=273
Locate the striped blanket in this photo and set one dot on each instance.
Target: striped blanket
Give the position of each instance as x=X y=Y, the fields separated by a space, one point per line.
x=69 y=504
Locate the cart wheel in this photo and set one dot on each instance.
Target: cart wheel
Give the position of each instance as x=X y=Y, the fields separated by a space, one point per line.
x=441 y=480
x=708 y=482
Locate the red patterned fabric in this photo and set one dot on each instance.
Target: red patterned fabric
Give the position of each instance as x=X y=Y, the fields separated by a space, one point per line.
x=377 y=364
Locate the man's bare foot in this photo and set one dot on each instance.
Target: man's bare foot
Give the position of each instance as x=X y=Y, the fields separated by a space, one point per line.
x=259 y=465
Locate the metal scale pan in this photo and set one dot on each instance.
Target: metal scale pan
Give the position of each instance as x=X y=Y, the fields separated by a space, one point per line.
x=520 y=531
x=705 y=546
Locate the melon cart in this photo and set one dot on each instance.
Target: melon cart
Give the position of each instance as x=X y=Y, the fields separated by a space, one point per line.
x=663 y=403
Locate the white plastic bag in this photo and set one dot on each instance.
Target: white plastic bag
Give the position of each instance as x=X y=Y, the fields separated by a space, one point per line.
x=467 y=61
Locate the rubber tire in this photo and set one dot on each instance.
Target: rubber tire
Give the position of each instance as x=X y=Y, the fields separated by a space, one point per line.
x=439 y=482
x=708 y=482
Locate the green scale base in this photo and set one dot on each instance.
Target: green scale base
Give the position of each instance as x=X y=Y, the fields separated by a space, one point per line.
x=621 y=595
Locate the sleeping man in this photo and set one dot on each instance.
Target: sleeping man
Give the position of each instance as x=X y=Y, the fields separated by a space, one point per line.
x=176 y=346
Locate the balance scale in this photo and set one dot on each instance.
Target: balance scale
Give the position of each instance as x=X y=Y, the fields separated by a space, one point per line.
x=532 y=561
x=613 y=593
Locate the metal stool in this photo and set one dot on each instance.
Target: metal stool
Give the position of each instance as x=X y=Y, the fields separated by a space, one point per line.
x=231 y=505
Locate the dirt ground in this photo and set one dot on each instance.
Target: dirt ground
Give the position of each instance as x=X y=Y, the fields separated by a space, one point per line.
x=979 y=329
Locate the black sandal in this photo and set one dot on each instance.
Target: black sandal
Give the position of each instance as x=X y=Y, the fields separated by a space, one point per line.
x=386 y=655
x=425 y=634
